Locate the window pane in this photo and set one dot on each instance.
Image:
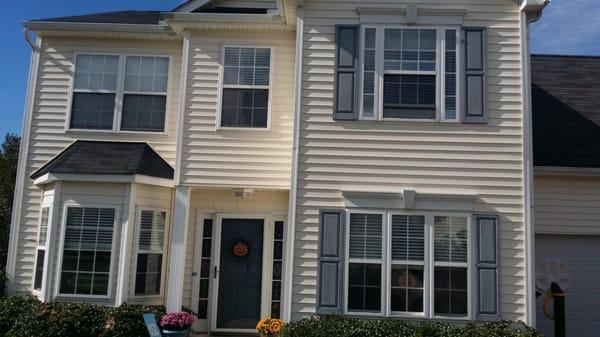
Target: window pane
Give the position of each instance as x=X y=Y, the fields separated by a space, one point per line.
x=450 y=239
x=152 y=230
x=450 y=75
x=407 y=288
x=246 y=66
x=39 y=269
x=245 y=108
x=148 y=275
x=450 y=291
x=366 y=236
x=87 y=251
x=92 y=111
x=43 y=226
x=364 y=288
x=369 y=73
x=410 y=49
x=408 y=237
x=96 y=72
x=146 y=73
x=143 y=113
x=409 y=96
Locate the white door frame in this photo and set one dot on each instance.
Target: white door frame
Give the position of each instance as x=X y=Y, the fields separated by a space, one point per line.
x=267 y=272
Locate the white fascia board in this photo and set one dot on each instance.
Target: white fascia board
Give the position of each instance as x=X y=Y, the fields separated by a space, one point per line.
x=533 y=6
x=97 y=27
x=103 y=178
x=225 y=18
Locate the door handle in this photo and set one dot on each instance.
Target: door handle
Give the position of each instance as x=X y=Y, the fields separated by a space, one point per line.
x=215 y=271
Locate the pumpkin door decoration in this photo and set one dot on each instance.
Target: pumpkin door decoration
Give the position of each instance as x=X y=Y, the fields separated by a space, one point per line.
x=240 y=249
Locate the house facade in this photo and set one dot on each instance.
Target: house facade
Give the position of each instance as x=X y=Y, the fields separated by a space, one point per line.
x=281 y=158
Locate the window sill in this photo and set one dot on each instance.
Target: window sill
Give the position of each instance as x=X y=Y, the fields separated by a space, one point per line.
x=115 y=132
x=245 y=129
x=409 y=120
x=83 y=297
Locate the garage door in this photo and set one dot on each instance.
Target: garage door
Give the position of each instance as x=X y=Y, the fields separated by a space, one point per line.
x=582 y=255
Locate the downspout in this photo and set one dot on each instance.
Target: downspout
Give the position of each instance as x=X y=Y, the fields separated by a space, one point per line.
x=23 y=154
x=527 y=17
x=290 y=235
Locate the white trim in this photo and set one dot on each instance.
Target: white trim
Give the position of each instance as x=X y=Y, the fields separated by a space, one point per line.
x=528 y=182
x=267 y=266
x=222 y=86
x=52 y=236
x=137 y=251
x=289 y=229
x=127 y=227
x=111 y=275
x=428 y=264
x=98 y=27
x=177 y=252
x=46 y=203
x=17 y=216
x=105 y=178
x=182 y=105
x=119 y=92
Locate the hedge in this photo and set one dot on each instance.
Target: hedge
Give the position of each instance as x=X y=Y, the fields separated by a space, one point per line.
x=335 y=326
x=28 y=317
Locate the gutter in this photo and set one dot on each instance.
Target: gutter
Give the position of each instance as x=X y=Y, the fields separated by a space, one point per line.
x=98 y=27
x=290 y=234
x=531 y=10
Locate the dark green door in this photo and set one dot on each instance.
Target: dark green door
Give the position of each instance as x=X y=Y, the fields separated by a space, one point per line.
x=240 y=273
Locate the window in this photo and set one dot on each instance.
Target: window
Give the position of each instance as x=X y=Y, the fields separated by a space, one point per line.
x=394 y=247
x=207 y=234
x=365 y=263
x=417 y=81
x=277 y=270
x=87 y=252
x=151 y=243
x=246 y=86
x=41 y=250
x=106 y=98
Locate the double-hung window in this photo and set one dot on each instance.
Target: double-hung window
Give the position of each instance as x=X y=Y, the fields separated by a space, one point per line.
x=245 y=87
x=151 y=245
x=391 y=272
x=409 y=73
x=119 y=93
x=41 y=249
x=87 y=251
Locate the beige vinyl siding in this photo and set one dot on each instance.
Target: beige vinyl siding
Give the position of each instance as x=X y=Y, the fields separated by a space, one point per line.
x=430 y=157
x=50 y=111
x=237 y=158
x=567 y=205
x=151 y=197
x=210 y=202
x=94 y=194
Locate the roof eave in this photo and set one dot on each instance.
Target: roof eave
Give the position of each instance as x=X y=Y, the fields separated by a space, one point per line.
x=181 y=21
x=37 y=26
x=532 y=6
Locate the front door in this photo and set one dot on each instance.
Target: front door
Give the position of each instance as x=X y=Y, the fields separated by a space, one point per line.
x=240 y=274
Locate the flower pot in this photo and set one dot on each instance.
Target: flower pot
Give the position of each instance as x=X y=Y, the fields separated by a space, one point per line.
x=175 y=333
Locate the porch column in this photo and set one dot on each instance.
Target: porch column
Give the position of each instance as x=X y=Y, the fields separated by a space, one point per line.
x=127 y=244
x=179 y=227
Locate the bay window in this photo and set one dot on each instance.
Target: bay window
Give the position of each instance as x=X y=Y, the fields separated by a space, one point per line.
x=119 y=93
x=409 y=73
x=407 y=264
x=41 y=249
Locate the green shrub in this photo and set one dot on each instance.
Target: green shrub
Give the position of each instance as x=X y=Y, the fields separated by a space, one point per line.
x=12 y=308
x=335 y=326
x=127 y=320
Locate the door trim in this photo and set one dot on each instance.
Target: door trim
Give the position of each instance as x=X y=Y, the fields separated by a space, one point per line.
x=266 y=268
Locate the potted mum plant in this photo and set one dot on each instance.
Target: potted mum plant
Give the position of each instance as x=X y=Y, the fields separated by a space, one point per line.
x=269 y=327
x=177 y=324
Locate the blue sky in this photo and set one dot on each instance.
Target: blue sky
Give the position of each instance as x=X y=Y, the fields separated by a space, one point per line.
x=567 y=27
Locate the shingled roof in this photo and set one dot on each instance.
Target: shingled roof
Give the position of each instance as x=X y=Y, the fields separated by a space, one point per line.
x=115 y=158
x=120 y=17
x=566 y=111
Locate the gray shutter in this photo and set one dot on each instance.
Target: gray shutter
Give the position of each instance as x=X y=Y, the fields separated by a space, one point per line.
x=487 y=267
x=475 y=79
x=346 y=72
x=331 y=263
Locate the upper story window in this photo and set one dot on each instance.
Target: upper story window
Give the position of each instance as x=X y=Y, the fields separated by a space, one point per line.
x=409 y=73
x=245 y=87
x=124 y=93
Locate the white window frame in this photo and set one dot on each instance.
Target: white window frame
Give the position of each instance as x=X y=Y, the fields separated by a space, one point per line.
x=222 y=86
x=111 y=272
x=47 y=203
x=119 y=93
x=138 y=251
x=429 y=265
x=439 y=72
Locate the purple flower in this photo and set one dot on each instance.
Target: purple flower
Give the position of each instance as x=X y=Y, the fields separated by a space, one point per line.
x=177 y=321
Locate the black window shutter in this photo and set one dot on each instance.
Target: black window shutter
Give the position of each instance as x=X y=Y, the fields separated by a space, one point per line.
x=346 y=72
x=487 y=267
x=475 y=79
x=331 y=263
